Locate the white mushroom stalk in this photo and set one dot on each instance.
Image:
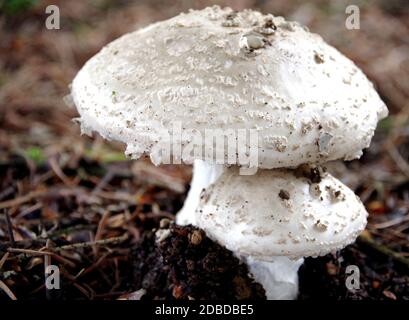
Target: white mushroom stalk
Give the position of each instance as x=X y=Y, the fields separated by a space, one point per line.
x=220 y=70
x=204 y=174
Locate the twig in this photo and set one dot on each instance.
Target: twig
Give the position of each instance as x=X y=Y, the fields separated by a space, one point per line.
x=95 y=265
x=104 y=181
x=29 y=210
x=20 y=200
x=390 y=223
x=384 y=250
x=399 y=160
x=47 y=263
x=4 y=259
x=158 y=176
x=9 y=228
x=59 y=173
x=36 y=289
x=6 y=192
x=101 y=226
x=402 y=228
x=60 y=192
x=7 y=290
x=43 y=253
x=74 y=282
x=64 y=192
x=110 y=295
x=93 y=243
x=117 y=196
x=25 y=242
x=79 y=227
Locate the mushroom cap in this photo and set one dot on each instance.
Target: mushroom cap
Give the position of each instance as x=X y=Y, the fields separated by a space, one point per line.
x=276 y=213
x=216 y=69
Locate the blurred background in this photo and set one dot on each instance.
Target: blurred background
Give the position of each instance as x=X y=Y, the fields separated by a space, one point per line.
x=60 y=188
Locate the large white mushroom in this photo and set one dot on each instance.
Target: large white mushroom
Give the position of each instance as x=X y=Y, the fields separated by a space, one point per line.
x=217 y=70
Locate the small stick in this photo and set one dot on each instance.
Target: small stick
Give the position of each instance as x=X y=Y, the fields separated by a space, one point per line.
x=384 y=250
x=399 y=160
x=6 y=192
x=95 y=265
x=391 y=223
x=110 y=294
x=3 y=259
x=27 y=211
x=37 y=289
x=7 y=290
x=10 y=228
x=117 y=196
x=101 y=226
x=43 y=253
x=93 y=243
x=74 y=282
x=104 y=181
x=47 y=263
x=6 y=245
x=82 y=290
x=68 y=230
x=21 y=200
x=58 y=172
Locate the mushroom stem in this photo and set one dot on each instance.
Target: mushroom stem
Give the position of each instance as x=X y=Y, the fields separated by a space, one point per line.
x=279 y=277
x=204 y=174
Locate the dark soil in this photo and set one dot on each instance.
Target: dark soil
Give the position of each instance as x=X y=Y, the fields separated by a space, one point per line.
x=183 y=263
x=380 y=278
x=188 y=265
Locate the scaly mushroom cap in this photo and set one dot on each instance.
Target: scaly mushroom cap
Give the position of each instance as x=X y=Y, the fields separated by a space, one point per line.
x=220 y=69
x=280 y=213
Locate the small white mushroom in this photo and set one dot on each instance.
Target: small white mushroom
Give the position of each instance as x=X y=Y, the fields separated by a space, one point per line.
x=263 y=199
x=310 y=228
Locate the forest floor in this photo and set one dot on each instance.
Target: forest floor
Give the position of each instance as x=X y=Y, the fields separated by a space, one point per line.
x=77 y=202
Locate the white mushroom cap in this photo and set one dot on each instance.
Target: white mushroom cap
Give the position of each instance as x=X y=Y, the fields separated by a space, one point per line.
x=217 y=69
x=274 y=213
